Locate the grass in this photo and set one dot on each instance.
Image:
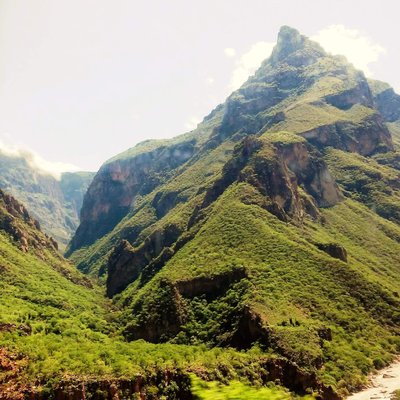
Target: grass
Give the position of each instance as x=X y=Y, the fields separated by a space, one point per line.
x=367 y=181
x=236 y=390
x=303 y=117
x=296 y=289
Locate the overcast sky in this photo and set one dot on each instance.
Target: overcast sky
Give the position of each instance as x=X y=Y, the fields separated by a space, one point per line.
x=82 y=80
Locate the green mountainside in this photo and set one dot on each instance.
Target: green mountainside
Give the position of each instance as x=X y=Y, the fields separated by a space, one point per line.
x=256 y=254
x=60 y=337
x=55 y=203
x=274 y=223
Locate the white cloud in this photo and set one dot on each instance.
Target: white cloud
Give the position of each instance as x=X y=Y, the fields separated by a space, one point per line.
x=230 y=52
x=247 y=64
x=358 y=48
x=36 y=162
x=192 y=123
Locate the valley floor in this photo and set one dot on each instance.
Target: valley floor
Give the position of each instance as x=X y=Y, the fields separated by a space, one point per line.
x=382 y=385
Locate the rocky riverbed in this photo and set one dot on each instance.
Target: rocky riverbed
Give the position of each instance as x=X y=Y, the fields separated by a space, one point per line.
x=382 y=384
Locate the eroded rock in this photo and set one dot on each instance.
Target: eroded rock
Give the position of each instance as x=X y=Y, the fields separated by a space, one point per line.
x=213 y=285
x=126 y=263
x=16 y=221
x=119 y=182
x=334 y=250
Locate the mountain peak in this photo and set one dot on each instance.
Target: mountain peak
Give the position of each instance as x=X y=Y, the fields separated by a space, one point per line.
x=290 y=41
x=288 y=33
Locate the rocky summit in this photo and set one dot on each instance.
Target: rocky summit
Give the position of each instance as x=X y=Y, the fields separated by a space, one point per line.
x=262 y=246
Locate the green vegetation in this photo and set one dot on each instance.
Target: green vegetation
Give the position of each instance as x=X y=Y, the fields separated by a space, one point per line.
x=266 y=247
x=303 y=117
x=394 y=128
x=63 y=326
x=367 y=181
x=238 y=391
x=290 y=284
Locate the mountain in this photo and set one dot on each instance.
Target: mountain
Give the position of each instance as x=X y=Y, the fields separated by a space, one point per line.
x=275 y=223
x=59 y=337
x=55 y=203
x=388 y=104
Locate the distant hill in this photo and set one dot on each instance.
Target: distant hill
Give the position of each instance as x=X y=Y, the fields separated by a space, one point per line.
x=55 y=203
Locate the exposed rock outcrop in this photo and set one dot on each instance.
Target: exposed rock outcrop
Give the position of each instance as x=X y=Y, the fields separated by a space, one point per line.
x=15 y=220
x=298 y=380
x=291 y=70
x=386 y=100
x=334 y=250
x=126 y=262
x=160 y=384
x=360 y=93
x=250 y=330
x=169 y=311
x=21 y=329
x=121 y=268
x=11 y=367
x=210 y=285
x=290 y=47
x=118 y=183
x=277 y=170
x=164 y=319
x=369 y=138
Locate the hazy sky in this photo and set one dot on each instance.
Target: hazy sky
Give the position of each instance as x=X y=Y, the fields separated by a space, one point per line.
x=81 y=80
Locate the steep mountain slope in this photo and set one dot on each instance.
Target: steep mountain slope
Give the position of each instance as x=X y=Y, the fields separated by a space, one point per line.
x=388 y=103
x=59 y=338
x=274 y=222
x=54 y=203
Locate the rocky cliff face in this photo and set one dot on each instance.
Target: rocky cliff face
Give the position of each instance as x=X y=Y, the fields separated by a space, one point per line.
x=119 y=183
x=388 y=104
x=277 y=169
x=300 y=89
x=12 y=213
x=386 y=100
x=367 y=139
